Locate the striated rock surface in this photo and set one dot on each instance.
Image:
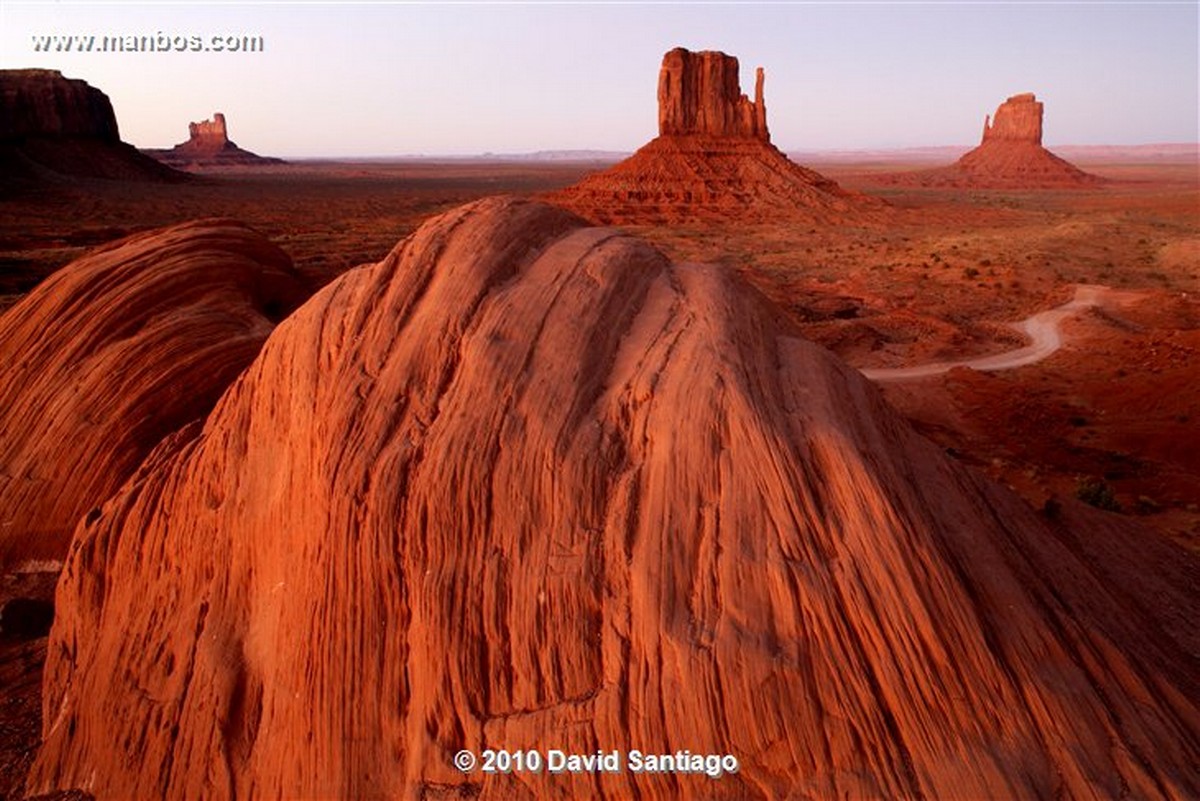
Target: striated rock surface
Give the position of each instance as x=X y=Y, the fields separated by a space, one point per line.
x=1018 y=119
x=115 y=351
x=1010 y=156
x=712 y=159
x=699 y=93
x=51 y=126
x=524 y=484
x=208 y=145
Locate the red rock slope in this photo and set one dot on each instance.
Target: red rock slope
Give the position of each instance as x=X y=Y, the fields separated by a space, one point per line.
x=115 y=351
x=525 y=484
x=712 y=159
x=1010 y=156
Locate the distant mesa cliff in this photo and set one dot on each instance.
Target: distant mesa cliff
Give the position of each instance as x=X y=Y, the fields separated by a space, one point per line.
x=1009 y=156
x=209 y=145
x=54 y=128
x=44 y=103
x=712 y=159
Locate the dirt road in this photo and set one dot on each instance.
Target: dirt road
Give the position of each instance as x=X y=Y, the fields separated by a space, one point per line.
x=1044 y=339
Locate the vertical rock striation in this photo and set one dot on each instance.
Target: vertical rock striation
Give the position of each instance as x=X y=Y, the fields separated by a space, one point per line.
x=1018 y=119
x=699 y=94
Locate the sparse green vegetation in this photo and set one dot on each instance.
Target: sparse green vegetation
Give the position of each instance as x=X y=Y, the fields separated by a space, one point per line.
x=1095 y=492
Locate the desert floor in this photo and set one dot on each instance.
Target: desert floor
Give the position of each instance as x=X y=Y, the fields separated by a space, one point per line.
x=938 y=278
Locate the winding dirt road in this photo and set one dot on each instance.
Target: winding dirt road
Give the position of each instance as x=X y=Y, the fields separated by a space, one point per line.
x=1041 y=328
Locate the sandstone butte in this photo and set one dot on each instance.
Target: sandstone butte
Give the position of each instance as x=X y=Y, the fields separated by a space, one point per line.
x=51 y=127
x=525 y=484
x=115 y=351
x=1010 y=156
x=208 y=145
x=712 y=159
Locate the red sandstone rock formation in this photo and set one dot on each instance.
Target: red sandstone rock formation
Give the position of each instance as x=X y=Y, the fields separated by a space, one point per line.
x=1010 y=156
x=208 y=145
x=1018 y=119
x=711 y=160
x=112 y=353
x=44 y=103
x=525 y=484
x=51 y=126
x=209 y=134
x=699 y=93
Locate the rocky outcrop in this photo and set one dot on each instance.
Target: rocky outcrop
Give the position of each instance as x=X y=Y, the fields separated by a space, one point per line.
x=525 y=484
x=209 y=134
x=712 y=160
x=208 y=145
x=699 y=94
x=1010 y=156
x=1018 y=119
x=42 y=103
x=114 y=352
x=53 y=127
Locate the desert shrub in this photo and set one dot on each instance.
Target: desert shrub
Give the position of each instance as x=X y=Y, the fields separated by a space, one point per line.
x=1052 y=508
x=1095 y=492
x=970 y=272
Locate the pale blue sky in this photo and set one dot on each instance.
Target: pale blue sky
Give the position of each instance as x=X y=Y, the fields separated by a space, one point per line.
x=376 y=79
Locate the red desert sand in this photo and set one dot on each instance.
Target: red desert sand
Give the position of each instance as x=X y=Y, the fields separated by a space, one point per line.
x=527 y=483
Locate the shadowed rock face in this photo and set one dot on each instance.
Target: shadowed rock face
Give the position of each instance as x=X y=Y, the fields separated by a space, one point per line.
x=43 y=103
x=55 y=129
x=712 y=159
x=115 y=351
x=526 y=484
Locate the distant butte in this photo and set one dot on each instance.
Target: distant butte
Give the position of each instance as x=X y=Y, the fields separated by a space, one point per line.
x=209 y=145
x=1010 y=156
x=712 y=158
x=54 y=129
